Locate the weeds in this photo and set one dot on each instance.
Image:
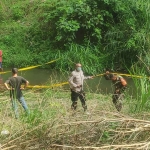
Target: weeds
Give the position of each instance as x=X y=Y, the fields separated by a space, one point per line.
x=51 y=123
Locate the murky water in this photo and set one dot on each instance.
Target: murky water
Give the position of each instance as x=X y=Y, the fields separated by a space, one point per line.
x=50 y=77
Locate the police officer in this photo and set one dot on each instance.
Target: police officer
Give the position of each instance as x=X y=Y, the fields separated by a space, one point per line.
x=76 y=85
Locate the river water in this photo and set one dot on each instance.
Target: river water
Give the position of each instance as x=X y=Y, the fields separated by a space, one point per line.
x=50 y=77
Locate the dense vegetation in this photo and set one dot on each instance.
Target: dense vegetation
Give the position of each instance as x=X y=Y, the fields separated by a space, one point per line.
x=97 y=33
x=52 y=125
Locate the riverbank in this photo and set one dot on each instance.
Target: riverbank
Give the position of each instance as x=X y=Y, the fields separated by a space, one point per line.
x=53 y=125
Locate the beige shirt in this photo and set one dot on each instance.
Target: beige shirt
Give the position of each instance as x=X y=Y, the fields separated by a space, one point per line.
x=76 y=78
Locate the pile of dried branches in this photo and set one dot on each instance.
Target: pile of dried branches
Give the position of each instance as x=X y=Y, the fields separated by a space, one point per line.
x=82 y=131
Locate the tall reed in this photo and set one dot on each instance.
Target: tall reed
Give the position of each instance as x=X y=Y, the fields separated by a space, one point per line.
x=142 y=86
x=92 y=60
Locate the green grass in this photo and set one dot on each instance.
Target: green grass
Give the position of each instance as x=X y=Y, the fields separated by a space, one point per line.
x=51 y=121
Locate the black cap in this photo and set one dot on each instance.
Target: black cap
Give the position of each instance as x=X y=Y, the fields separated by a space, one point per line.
x=111 y=75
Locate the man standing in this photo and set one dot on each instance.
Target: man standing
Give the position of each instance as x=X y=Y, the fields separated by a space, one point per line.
x=1 y=69
x=120 y=85
x=14 y=85
x=76 y=85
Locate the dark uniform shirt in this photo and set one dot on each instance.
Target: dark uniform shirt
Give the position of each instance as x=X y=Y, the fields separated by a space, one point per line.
x=15 y=83
x=117 y=83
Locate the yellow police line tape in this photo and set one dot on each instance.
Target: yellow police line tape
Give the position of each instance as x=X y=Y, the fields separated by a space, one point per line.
x=31 y=67
x=50 y=86
x=128 y=75
x=46 y=86
x=64 y=83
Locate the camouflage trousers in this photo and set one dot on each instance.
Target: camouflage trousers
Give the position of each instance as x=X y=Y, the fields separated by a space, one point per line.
x=117 y=100
x=74 y=99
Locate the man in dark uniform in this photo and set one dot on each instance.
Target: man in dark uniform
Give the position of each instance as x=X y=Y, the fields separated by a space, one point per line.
x=120 y=85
